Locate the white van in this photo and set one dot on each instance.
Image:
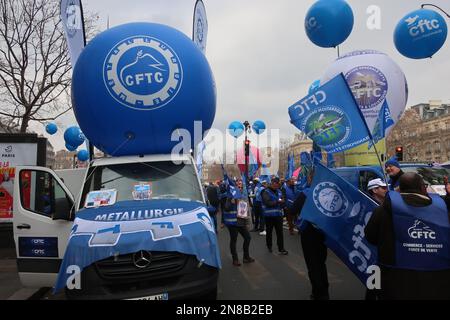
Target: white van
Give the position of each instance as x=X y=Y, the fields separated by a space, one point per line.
x=45 y=207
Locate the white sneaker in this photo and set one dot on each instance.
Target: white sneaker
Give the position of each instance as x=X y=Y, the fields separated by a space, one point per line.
x=263 y=233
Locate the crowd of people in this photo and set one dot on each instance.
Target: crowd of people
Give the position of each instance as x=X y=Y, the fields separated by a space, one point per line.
x=403 y=201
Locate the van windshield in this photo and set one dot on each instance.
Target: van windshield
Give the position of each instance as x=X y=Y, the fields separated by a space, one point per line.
x=164 y=179
x=431 y=175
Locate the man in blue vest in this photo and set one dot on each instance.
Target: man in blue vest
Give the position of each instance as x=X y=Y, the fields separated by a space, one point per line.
x=290 y=194
x=272 y=204
x=394 y=172
x=412 y=230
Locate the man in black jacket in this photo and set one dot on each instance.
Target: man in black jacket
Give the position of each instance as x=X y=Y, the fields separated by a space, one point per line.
x=407 y=282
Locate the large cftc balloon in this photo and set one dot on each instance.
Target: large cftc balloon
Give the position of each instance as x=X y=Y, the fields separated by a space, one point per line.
x=73 y=136
x=51 y=128
x=373 y=78
x=259 y=126
x=236 y=129
x=329 y=22
x=420 y=34
x=135 y=84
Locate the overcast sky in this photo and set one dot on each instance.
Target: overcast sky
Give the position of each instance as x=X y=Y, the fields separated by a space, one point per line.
x=263 y=61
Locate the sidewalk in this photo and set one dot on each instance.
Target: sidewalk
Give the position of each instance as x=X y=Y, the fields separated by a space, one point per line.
x=10 y=286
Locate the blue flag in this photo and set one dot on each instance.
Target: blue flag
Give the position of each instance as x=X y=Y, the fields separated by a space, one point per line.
x=290 y=167
x=130 y=226
x=383 y=122
x=232 y=190
x=341 y=211
x=331 y=117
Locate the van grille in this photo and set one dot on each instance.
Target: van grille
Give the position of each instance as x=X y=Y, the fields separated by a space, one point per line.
x=123 y=267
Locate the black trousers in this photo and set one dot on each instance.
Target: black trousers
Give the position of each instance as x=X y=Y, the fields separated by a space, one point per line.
x=277 y=223
x=234 y=231
x=257 y=209
x=315 y=253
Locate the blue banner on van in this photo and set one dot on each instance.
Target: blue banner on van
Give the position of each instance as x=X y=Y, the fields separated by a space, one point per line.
x=131 y=226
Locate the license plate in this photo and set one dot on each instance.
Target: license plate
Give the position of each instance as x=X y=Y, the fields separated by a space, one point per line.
x=162 y=296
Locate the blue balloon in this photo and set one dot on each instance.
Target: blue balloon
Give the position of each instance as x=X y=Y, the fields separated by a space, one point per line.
x=314 y=86
x=259 y=126
x=73 y=136
x=420 y=34
x=51 y=128
x=70 y=148
x=236 y=129
x=136 y=84
x=329 y=22
x=83 y=155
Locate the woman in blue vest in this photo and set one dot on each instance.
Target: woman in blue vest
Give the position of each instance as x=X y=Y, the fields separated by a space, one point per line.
x=236 y=225
x=412 y=232
x=272 y=205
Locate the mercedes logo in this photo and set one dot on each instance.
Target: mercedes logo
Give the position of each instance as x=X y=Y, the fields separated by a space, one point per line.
x=142 y=259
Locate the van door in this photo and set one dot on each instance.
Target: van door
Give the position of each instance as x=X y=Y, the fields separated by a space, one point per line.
x=42 y=223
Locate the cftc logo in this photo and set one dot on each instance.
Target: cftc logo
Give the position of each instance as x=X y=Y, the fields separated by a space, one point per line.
x=330 y=199
x=142 y=73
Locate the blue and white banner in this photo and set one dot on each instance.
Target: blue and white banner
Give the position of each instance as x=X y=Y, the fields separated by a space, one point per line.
x=383 y=122
x=265 y=174
x=131 y=226
x=252 y=166
x=341 y=211
x=73 y=24
x=200 y=28
x=330 y=117
x=199 y=161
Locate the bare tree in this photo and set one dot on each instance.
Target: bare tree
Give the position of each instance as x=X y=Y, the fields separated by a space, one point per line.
x=34 y=63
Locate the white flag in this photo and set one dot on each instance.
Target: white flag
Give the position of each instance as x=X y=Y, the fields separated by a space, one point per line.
x=200 y=30
x=72 y=19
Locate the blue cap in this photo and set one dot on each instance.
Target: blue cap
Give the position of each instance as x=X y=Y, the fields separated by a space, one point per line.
x=392 y=162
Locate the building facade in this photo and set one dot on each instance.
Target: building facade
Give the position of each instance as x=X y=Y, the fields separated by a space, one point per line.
x=300 y=144
x=423 y=132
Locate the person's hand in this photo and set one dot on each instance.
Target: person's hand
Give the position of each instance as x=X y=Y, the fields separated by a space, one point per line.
x=446 y=184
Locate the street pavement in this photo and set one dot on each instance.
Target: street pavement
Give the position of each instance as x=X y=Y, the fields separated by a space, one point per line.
x=270 y=277
x=278 y=277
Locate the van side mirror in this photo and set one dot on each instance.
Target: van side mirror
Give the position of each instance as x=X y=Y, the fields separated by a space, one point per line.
x=63 y=209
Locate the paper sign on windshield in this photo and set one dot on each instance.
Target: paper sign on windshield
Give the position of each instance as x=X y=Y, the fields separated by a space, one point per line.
x=142 y=191
x=100 y=198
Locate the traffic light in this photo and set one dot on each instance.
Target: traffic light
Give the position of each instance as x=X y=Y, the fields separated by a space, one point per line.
x=399 y=153
x=247 y=148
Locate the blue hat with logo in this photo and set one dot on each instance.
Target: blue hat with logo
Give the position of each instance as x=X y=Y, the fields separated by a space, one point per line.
x=392 y=162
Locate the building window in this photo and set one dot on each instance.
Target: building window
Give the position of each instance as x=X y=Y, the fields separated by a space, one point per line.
x=437 y=146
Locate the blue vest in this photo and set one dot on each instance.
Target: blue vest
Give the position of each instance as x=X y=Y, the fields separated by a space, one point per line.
x=230 y=217
x=274 y=211
x=422 y=234
x=290 y=195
